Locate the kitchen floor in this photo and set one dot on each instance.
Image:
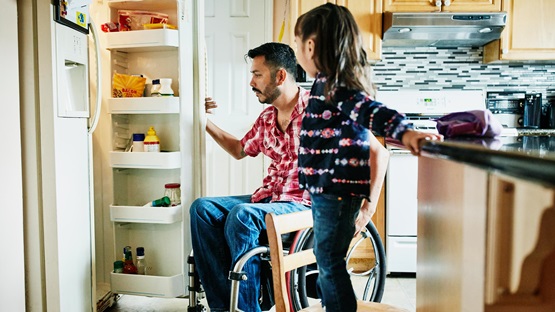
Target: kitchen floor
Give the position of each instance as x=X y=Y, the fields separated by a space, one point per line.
x=399 y=291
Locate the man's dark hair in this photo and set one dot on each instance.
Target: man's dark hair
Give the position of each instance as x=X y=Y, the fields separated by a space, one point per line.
x=278 y=55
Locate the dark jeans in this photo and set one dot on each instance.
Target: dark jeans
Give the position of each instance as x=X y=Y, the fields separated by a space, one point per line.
x=222 y=230
x=334 y=227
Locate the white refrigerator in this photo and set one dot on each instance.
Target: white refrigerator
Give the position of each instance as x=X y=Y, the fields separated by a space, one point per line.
x=81 y=210
x=66 y=157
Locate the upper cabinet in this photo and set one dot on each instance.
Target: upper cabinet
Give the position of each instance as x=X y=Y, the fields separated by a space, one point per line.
x=367 y=13
x=442 y=5
x=528 y=34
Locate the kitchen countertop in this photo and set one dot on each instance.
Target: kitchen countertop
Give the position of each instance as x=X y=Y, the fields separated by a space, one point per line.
x=530 y=157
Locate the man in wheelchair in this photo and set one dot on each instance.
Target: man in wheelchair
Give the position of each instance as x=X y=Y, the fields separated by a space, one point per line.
x=224 y=228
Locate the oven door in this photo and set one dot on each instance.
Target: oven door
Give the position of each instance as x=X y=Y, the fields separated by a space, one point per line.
x=401 y=210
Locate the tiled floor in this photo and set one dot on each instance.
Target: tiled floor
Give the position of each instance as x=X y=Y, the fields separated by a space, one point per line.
x=399 y=291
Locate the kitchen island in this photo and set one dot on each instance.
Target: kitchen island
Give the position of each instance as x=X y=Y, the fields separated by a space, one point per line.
x=486 y=225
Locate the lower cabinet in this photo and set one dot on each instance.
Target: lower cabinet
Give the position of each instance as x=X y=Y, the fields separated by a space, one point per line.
x=485 y=241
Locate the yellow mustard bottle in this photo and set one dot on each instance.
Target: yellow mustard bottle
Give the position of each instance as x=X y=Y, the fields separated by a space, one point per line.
x=152 y=143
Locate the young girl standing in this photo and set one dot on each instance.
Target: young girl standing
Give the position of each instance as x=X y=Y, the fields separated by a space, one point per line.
x=334 y=148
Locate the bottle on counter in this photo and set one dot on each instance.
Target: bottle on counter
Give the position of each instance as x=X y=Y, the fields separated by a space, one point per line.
x=141 y=261
x=128 y=266
x=173 y=191
x=151 y=142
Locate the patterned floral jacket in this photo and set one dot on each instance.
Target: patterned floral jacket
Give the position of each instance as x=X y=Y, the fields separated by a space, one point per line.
x=334 y=144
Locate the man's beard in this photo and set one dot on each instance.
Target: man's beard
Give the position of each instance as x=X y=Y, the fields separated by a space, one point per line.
x=269 y=95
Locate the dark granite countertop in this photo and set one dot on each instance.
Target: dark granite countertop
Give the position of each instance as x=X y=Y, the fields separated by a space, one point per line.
x=530 y=157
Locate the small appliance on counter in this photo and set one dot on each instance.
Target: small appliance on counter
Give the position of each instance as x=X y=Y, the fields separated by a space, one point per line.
x=517 y=109
x=507 y=107
x=532 y=110
x=547 y=119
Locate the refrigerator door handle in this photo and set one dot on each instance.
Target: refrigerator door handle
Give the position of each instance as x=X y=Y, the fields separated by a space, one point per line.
x=96 y=116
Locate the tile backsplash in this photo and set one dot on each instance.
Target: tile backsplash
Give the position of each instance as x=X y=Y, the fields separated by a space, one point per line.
x=423 y=68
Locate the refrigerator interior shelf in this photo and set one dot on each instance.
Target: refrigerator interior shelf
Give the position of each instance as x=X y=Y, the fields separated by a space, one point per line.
x=144 y=105
x=142 y=214
x=148 y=285
x=162 y=160
x=143 y=4
x=143 y=40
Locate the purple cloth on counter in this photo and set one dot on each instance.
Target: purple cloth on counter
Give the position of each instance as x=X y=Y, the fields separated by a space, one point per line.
x=478 y=123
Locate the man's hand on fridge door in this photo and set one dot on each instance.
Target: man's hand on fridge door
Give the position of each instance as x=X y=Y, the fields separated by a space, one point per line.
x=210 y=105
x=367 y=210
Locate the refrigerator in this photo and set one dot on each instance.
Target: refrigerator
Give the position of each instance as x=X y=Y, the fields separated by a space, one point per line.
x=84 y=195
x=66 y=156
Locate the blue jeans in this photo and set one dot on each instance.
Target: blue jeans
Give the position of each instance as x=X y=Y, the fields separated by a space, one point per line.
x=334 y=227
x=222 y=230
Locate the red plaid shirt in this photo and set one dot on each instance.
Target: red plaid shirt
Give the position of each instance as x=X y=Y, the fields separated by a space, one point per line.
x=282 y=181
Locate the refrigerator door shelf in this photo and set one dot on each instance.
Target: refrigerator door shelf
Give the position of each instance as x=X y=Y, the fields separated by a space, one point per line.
x=159 y=5
x=142 y=214
x=162 y=160
x=148 y=285
x=143 y=40
x=144 y=105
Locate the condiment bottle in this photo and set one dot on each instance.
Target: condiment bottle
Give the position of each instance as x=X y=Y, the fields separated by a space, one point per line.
x=128 y=266
x=155 y=89
x=161 y=202
x=118 y=266
x=151 y=142
x=173 y=191
x=138 y=142
x=125 y=250
x=166 y=87
x=141 y=261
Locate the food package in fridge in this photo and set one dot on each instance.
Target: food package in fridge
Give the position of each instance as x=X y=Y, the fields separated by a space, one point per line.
x=127 y=86
x=159 y=26
x=134 y=19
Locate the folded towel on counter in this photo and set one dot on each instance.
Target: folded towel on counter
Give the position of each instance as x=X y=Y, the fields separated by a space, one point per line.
x=478 y=123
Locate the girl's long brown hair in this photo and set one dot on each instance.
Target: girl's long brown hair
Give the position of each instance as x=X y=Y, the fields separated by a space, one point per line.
x=338 y=49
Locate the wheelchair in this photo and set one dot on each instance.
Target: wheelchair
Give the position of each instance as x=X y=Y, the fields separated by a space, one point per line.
x=368 y=283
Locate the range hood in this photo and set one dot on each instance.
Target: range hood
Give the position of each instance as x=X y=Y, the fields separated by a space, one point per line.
x=442 y=29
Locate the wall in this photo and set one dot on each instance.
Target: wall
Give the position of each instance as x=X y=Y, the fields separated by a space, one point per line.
x=458 y=68
x=12 y=281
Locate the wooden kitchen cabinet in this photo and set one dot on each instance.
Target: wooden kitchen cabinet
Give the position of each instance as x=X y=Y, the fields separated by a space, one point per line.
x=484 y=240
x=528 y=34
x=445 y=5
x=367 y=14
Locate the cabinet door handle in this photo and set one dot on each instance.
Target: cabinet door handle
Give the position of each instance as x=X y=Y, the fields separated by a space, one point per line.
x=446 y=2
x=438 y=5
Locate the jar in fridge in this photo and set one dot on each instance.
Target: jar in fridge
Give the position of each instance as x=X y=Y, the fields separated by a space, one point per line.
x=173 y=191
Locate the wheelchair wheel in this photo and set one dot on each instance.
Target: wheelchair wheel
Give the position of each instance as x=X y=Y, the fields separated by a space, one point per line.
x=368 y=282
